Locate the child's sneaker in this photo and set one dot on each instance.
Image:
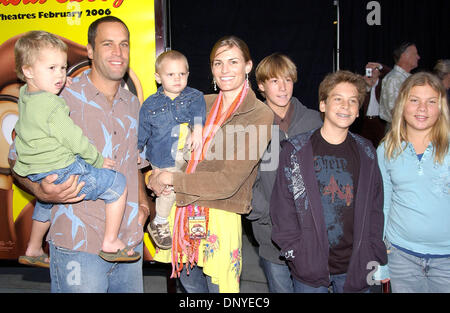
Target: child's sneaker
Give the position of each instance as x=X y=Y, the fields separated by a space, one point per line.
x=160 y=234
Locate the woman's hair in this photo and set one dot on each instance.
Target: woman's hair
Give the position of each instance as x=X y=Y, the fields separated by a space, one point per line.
x=230 y=41
x=332 y=80
x=275 y=65
x=439 y=132
x=170 y=55
x=28 y=46
x=442 y=68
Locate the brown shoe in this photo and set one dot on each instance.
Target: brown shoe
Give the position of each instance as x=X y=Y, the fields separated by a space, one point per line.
x=39 y=261
x=120 y=255
x=160 y=234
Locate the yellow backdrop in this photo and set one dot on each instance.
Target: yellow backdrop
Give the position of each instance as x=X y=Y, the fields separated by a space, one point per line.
x=69 y=19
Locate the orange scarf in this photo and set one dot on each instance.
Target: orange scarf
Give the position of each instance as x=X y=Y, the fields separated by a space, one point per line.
x=182 y=244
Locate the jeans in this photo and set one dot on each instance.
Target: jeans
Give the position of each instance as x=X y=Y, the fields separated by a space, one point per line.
x=411 y=274
x=197 y=281
x=337 y=285
x=278 y=277
x=81 y=272
x=100 y=183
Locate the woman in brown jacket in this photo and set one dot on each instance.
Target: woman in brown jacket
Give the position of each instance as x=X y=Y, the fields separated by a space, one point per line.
x=216 y=186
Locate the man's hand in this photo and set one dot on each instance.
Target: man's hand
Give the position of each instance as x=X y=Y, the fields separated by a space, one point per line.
x=108 y=163
x=375 y=73
x=373 y=65
x=47 y=191
x=66 y=192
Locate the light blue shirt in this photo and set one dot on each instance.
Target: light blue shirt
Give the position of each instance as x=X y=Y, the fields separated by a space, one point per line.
x=416 y=200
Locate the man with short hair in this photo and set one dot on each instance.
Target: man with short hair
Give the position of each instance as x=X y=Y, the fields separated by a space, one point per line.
x=107 y=114
x=406 y=59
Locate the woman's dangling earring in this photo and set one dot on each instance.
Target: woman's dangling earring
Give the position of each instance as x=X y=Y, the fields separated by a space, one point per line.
x=246 y=78
x=215 y=86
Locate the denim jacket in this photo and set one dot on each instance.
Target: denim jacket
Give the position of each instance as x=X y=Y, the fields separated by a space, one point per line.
x=159 y=120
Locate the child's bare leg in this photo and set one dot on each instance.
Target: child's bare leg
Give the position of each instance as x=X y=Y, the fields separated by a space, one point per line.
x=38 y=230
x=114 y=216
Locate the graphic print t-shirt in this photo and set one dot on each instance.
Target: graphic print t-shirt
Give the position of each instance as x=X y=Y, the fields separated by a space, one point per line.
x=337 y=170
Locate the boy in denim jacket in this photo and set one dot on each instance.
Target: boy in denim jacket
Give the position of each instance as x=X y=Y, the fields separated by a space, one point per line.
x=161 y=118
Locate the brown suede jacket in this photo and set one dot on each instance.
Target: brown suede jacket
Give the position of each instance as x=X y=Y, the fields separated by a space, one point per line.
x=224 y=179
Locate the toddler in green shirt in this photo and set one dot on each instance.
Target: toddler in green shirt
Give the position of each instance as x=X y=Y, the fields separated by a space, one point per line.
x=48 y=142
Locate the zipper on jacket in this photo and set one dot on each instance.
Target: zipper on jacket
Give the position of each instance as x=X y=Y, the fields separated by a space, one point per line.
x=328 y=246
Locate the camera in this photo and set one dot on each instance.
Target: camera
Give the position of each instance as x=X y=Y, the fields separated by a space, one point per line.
x=368 y=72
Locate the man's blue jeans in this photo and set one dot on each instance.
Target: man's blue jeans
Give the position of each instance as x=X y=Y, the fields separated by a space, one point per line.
x=278 y=277
x=81 y=272
x=337 y=285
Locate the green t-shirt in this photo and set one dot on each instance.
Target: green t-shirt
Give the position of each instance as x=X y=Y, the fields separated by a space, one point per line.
x=46 y=137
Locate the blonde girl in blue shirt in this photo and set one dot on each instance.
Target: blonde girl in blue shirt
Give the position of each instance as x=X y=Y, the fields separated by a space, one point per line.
x=415 y=164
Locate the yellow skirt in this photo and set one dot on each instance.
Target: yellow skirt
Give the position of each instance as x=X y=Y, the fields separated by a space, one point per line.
x=220 y=254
